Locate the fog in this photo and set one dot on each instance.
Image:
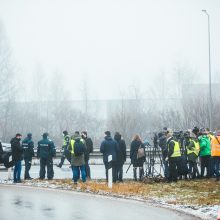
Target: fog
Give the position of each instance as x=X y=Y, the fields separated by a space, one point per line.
x=132 y=66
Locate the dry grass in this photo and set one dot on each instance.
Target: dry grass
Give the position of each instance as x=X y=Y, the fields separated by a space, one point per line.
x=193 y=192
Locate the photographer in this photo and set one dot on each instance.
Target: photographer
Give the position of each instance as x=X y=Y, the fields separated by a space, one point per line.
x=162 y=142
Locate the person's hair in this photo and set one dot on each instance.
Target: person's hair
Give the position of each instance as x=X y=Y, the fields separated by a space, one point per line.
x=136 y=138
x=108 y=133
x=18 y=134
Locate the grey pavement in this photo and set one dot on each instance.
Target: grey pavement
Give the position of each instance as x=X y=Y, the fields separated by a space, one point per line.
x=21 y=203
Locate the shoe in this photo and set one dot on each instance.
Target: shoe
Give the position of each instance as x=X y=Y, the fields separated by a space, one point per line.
x=28 y=178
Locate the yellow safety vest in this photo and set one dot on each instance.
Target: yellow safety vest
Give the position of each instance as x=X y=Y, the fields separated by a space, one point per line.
x=176 y=150
x=195 y=150
x=64 y=140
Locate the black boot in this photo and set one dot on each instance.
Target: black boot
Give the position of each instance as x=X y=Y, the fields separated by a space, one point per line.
x=135 y=173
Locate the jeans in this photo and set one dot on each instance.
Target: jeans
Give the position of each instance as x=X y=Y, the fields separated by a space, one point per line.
x=216 y=163
x=76 y=173
x=17 y=171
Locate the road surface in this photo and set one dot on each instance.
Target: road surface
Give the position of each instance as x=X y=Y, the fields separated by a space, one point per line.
x=21 y=203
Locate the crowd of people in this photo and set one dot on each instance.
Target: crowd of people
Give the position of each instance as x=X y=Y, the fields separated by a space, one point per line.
x=180 y=157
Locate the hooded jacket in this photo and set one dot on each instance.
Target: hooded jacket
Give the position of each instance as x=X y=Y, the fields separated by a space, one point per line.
x=121 y=155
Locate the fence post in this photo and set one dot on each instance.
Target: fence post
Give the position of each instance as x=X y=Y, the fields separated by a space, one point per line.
x=109 y=172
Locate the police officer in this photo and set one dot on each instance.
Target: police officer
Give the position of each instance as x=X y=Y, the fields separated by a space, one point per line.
x=66 y=154
x=28 y=147
x=46 y=151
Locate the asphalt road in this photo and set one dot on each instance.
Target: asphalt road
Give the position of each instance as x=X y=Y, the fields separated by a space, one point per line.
x=20 y=203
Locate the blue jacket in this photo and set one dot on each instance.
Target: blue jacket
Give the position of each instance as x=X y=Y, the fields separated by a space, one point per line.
x=28 y=146
x=109 y=147
x=46 y=148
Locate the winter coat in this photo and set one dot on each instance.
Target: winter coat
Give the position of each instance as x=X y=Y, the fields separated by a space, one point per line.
x=163 y=145
x=121 y=155
x=135 y=144
x=109 y=147
x=28 y=146
x=89 y=148
x=16 y=149
x=46 y=148
x=77 y=160
x=205 y=145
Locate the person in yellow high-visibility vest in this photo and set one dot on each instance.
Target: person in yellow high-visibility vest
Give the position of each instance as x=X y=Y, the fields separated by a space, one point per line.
x=77 y=148
x=174 y=156
x=215 y=152
x=193 y=149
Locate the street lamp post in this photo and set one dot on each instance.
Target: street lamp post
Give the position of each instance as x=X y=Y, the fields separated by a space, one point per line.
x=210 y=76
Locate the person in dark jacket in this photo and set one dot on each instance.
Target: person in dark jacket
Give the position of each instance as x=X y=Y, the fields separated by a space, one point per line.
x=66 y=154
x=135 y=159
x=17 y=156
x=162 y=142
x=46 y=151
x=89 y=150
x=109 y=147
x=28 y=147
x=121 y=156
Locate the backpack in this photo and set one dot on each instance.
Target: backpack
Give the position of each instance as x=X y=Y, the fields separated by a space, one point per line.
x=78 y=148
x=140 y=152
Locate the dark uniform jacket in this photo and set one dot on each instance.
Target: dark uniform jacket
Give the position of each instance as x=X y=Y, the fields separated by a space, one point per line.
x=16 y=149
x=46 y=148
x=28 y=146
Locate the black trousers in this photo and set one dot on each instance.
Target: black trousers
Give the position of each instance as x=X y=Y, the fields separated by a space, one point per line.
x=119 y=171
x=49 y=163
x=205 y=163
x=109 y=165
x=27 y=167
x=66 y=155
x=174 y=163
x=88 y=172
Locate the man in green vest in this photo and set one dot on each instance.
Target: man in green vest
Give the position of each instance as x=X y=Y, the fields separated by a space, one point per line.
x=174 y=156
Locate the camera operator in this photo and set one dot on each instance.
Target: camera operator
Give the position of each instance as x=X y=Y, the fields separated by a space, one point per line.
x=162 y=142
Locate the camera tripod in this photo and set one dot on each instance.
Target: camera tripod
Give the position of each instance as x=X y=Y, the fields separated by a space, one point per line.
x=153 y=158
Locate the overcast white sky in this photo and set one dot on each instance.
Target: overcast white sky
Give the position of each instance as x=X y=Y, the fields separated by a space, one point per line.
x=112 y=42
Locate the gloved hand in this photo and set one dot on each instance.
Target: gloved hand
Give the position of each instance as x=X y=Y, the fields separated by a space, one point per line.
x=166 y=159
